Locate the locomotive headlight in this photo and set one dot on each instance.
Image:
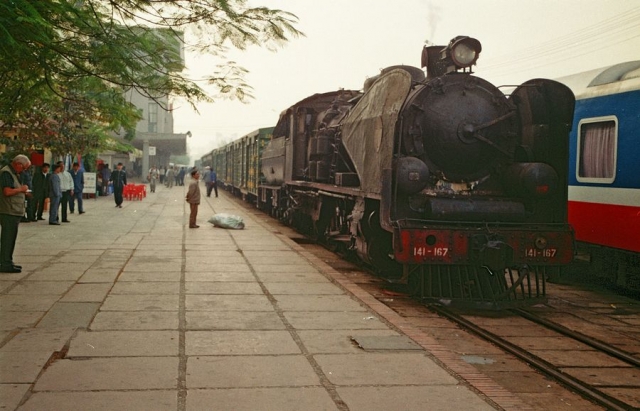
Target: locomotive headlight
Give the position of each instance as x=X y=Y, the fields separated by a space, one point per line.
x=464 y=51
x=541 y=243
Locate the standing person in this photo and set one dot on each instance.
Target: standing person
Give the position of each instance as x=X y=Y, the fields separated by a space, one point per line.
x=161 y=173
x=170 y=177
x=181 y=174
x=78 y=186
x=106 y=174
x=12 y=197
x=205 y=175
x=66 y=184
x=55 y=194
x=26 y=179
x=193 y=198
x=153 y=178
x=212 y=183
x=40 y=184
x=119 y=180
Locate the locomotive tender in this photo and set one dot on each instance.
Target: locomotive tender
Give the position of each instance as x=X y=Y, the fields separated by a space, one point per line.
x=440 y=181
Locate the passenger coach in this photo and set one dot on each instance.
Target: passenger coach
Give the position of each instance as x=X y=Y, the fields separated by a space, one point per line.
x=604 y=178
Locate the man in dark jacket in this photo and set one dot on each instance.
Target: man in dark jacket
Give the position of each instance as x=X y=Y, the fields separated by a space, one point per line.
x=12 y=197
x=78 y=185
x=40 y=184
x=119 y=180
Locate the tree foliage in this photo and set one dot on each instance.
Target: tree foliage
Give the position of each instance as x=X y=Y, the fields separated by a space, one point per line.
x=65 y=65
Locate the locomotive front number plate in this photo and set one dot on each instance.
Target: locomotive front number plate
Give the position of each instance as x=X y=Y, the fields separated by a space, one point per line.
x=545 y=252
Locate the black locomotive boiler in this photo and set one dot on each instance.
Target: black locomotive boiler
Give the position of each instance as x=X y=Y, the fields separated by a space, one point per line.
x=440 y=181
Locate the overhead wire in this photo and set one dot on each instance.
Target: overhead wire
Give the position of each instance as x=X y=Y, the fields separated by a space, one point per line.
x=615 y=30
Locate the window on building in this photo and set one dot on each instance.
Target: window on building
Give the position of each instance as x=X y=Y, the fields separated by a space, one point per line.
x=597 y=144
x=153 y=117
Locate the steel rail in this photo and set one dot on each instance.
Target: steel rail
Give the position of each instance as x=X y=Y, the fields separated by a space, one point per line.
x=592 y=342
x=538 y=363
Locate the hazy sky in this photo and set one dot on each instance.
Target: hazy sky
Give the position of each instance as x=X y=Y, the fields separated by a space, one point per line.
x=349 y=40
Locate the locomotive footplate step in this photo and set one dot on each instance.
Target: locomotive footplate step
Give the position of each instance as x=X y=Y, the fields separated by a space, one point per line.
x=160 y=317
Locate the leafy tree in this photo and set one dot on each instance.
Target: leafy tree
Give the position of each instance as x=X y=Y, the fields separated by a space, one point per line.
x=65 y=65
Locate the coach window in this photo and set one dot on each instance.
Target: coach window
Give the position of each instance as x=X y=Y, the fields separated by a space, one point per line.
x=597 y=150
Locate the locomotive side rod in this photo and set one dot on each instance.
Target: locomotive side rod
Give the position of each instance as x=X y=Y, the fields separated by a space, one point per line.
x=538 y=363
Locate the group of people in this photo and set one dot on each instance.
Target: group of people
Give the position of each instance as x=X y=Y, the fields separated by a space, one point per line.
x=22 y=199
x=63 y=188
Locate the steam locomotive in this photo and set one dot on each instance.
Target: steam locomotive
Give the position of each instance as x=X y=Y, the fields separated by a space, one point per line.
x=439 y=182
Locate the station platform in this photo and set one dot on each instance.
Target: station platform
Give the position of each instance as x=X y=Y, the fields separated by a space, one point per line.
x=129 y=309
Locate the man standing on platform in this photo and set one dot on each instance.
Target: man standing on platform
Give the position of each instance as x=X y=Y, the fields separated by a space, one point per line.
x=66 y=184
x=153 y=178
x=40 y=183
x=119 y=180
x=193 y=197
x=12 y=197
x=55 y=194
x=78 y=186
x=212 y=183
x=170 y=177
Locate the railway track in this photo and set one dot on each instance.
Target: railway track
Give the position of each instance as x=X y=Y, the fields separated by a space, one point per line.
x=584 y=388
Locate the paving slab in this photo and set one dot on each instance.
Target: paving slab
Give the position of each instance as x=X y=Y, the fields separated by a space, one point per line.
x=207 y=302
x=279 y=277
x=304 y=288
x=293 y=269
x=318 y=303
x=100 y=275
x=11 y=395
x=39 y=340
x=21 y=367
x=222 y=287
x=337 y=341
x=233 y=276
x=5 y=285
x=124 y=344
x=62 y=314
x=261 y=399
x=135 y=320
x=146 y=287
x=135 y=373
x=26 y=302
x=42 y=288
x=156 y=400
x=87 y=293
x=382 y=369
x=240 y=343
x=319 y=320
x=147 y=302
x=257 y=371
x=233 y=320
x=194 y=264
x=215 y=267
x=26 y=319
x=152 y=276
x=44 y=274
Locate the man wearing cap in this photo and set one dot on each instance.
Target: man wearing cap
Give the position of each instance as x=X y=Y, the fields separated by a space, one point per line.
x=12 y=198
